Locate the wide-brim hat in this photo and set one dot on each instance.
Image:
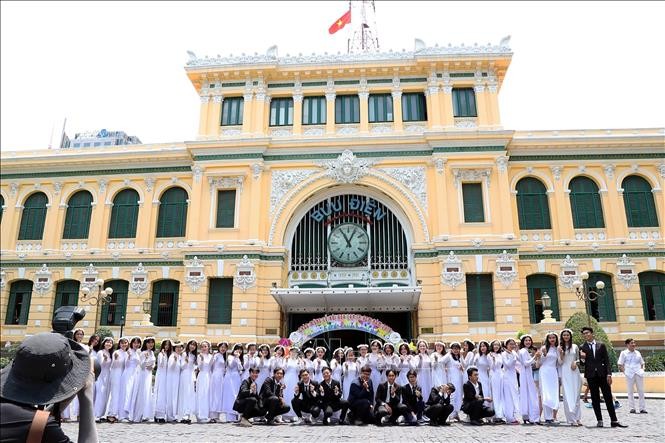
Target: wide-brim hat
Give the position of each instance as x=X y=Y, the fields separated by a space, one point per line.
x=386 y=344
x=308 y=350
x=48 y=368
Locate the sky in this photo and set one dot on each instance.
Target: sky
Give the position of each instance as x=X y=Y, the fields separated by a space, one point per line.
x=120 y=65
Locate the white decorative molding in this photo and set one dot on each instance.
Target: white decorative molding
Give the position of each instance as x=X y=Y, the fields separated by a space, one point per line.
x=556 y=172
x=57 y=187
x=139 y=284
x=245 y=276
x=205 y=99
x=281 y=132
x=477 y=242
x=466 y=122
x=149 y=184
x=197 y=171
x=284 y=181
x=506 y=269
x=257 y=168
x=471 y=175
x=13 y=188
x=569 y=272
x=311 y=131
x=626 y=271
x=414 y=128
x=90 y=274
x=74 y=245
x=194 y=275
x=347 y=129
x=347 y=168
x=3 y=282
x=381 y=128
x=452 y=273
x=218 y=99
x=661 y=170
x=609 y=171
x=413 y=178
x=28 y=245
x=120 y=244
x=102 y=185
x=440 y=164
x=502 y=163
x=231 y=132
x=228 y=182
x=42 y=280
x=170 y=244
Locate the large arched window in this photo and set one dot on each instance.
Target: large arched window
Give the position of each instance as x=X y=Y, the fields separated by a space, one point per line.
x=532 y=206
x=638 y=201
x=113 y=314
x=33 y=217
x=66 y=293
x=77 y=220
x=124 y=214
x=602 y=309
x=652 y=286
x=537 y=285
x=18 y=306
x=165 y=302
x=172 y=219
x=585 y=203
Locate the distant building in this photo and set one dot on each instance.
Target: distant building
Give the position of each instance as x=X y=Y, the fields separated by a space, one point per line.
x=101 y=138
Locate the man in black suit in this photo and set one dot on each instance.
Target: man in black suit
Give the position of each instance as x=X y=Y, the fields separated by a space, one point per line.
x=473 y=403
x=272 y=392
x=438 y=405
x=388 y=405
x=412 y=397
x=598 y=374
x=307 y=397
x=330 y=393
x=361 y=397
x=248 y=402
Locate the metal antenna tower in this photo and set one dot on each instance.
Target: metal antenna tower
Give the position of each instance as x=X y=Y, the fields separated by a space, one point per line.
x=363 y=27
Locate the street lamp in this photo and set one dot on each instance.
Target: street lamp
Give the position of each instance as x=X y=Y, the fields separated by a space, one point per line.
x=547 y=312
x=147 y=305
x=586 y=294
x=103 y=297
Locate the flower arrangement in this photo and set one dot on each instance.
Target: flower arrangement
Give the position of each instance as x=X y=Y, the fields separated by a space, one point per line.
x=284 y=341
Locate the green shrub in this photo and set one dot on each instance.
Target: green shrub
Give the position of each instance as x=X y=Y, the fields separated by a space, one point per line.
x=580 y=319
x=7 y=354
x=655 y=362
x=104 y=332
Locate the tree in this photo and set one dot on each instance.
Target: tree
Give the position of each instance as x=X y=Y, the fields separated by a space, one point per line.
x=103 y=333
x=580 y=319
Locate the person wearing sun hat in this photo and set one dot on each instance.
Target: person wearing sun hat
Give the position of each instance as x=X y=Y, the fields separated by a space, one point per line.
x=48 y=369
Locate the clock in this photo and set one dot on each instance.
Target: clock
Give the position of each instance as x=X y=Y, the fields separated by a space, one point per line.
x=348 y=243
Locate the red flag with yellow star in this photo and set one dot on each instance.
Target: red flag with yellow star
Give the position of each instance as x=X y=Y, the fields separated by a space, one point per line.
x=340 y=22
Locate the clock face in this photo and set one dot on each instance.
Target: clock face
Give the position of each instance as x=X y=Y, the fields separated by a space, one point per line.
x=348 y=243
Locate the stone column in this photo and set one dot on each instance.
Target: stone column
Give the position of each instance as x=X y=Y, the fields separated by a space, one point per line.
x=434 y=119
x=447 y=115
x=297 y=110
x=215 y=115
x=330 y=111
x=203 y=118
x=11 y=217
x=247 y=112
x=398 y=123
x=363 y=94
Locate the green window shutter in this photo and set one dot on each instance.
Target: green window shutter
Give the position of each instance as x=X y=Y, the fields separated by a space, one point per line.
x=314 y=111
x=347 y=109
x=33 y=217
x=639 y=202
x=232 y=110
x=585 y=204
x=220 y=300
x=18 y=306
x=537 y=284
x=472 y=195
x=172 y=219
x=165 y=303
x=602 y=309
x=77 y=218
x=532 y=204
x=380 y=108
x=2 y=207
x=115 y=312
x=124 y=214
x=480 y=298
x=464 y=102
x=226 y=208
x=66 y=294
x=414 y=107
x=281 y=111
x=652 y=287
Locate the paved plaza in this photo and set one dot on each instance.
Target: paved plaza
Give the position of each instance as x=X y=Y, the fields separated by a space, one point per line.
x=642 y=428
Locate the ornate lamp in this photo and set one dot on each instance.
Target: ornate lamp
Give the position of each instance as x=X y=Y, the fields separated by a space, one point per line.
x=586 y=294
x=147 y=306
x=547 y=312
x=103 y=297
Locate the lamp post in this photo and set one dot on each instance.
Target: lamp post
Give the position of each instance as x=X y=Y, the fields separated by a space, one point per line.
x=547 y=312
x=586 y=294
x=147 y=306
x=102 y=298
x=122 y=324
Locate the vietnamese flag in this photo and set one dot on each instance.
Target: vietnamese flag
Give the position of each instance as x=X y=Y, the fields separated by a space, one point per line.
x=340 y=22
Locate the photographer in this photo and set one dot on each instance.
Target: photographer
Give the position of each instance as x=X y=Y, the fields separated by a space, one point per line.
x=49 y=370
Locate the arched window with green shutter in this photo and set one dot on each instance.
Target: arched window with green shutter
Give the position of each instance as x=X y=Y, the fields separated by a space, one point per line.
x=220 y=300
x=537 y=285
x=602 y=309
x=77 y=219
x=172 y=219
x=114 y=313
x=33 y=217
x=532 y=206
x=652 y=286
x=165 y=302
x=124 y=214
x=66 y=293
x=639 y=203
x=585 y=203
x=18 y=306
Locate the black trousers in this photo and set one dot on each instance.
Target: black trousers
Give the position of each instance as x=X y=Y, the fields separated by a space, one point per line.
x=275 y=407
x=397 y=410
x=249 y=407
x=418 y=410
x=299 y=406
x=362 y=411
x=330 y=408
x=439 y=413
x=476 y=410
x=597 y=384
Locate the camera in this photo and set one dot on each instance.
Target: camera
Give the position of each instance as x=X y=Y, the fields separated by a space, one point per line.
x=65 y=319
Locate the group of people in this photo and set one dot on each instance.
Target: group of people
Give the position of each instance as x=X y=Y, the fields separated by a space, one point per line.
x=491 y=381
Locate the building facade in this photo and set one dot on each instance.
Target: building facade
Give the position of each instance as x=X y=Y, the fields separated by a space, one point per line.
x=101 y=138
x=335 y=196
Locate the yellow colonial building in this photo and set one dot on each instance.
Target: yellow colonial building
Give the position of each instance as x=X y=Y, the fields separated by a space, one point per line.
x=337 y=197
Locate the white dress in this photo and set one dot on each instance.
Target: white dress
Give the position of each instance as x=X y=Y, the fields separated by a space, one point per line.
x=173 y=370
x=455 y=372
x=350 y=372
x=231 y=386
x=117 y=389
x=406 y=363
x=291 y=371
x=161 y=382
x=468 y=361
x=264 y=371
x=439 y=375
x=511 y=401
x=374 y=362
x=143 y=401
x=204 y=363
x=336 y=369
x=549 y=382
x=423 y=365
x=482 y=362
x=496 y=380
x=571 y=383
x=529 y=406
x=217 y=382
x=319 y=364
x=250 y=361
x=276 y=362
x=129 y=377
x=389 y=362
x=186 y=391
x=103 y=384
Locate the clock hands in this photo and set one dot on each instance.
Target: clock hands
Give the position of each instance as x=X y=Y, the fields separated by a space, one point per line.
x=348 y=240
